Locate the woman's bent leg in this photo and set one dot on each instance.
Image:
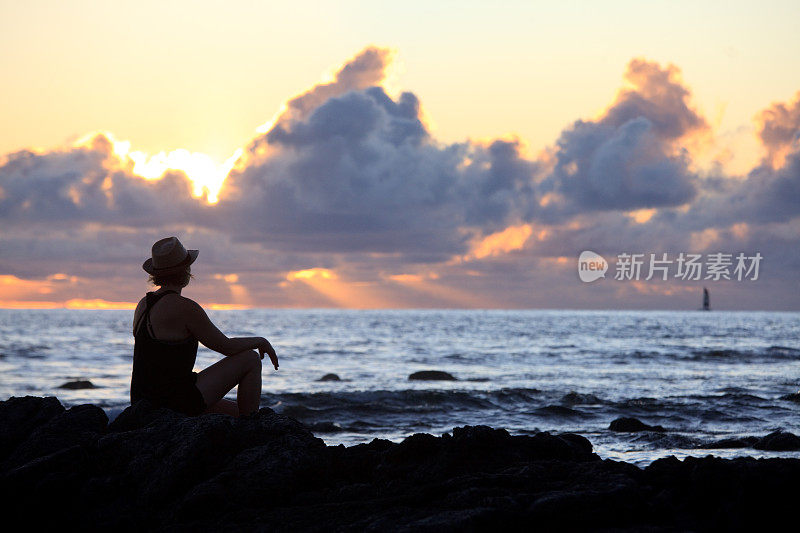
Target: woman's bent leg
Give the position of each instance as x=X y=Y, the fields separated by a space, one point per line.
x=248 y=394
x=243 y=369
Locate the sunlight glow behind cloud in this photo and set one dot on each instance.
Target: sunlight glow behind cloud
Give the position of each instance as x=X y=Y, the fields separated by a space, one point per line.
x=510 y=239
x=207 y=176
x=311 y=274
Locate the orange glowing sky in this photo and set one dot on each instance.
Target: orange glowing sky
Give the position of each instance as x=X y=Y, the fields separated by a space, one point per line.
x=201 y=76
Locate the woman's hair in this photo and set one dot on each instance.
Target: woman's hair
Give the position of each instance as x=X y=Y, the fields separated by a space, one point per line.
x=180 y=278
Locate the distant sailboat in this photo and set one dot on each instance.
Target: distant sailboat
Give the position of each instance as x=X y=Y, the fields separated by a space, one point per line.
x=705 y=300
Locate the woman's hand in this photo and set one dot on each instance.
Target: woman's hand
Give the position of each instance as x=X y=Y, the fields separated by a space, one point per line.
x=267 y=347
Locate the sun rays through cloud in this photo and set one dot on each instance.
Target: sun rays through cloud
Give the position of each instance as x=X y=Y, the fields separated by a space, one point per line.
x=207 y=176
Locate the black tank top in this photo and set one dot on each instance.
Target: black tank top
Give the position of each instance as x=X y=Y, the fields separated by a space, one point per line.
x=162 y=370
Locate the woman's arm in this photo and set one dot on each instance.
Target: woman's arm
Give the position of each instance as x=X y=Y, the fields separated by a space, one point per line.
x=201 y=327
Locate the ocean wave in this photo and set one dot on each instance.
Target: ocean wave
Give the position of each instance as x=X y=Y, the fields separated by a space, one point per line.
x=729 y=408
x=731 y=398
x=643 y=404
x=721 y=353
x=732 y=354
x=559 y=411
x=575 y=398
x=784 y=350
x=374 y=404
x=656 y=440
x=512 y=403
x=27 y=351
x=771 y=353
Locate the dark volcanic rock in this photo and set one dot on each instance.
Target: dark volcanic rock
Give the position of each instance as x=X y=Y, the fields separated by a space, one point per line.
x=714 y=494
x=625 y=424
x=20 y=416
x=79 y=384
x=79 y=425
x=330 y=377
x=140 y=415
x=779 y=441
x=431 y=375
x=156 y=469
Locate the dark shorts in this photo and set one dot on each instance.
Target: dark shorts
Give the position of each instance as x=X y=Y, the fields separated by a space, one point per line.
x=187 y=399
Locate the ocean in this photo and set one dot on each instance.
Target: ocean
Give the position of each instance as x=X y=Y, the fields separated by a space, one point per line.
x=704 y=376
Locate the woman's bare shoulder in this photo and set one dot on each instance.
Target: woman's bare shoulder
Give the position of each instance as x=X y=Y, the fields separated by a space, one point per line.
x=188 y=303
x=177 y=305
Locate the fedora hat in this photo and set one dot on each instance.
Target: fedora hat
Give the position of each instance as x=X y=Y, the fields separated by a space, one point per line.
x=169 y=256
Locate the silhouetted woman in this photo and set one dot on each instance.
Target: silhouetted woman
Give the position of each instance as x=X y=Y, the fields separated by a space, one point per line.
x=167 y=328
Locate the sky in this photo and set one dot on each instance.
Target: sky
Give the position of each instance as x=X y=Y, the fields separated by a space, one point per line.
x=415 y=154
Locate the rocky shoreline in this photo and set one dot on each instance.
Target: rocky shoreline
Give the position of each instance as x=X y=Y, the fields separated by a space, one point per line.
x=153 y=469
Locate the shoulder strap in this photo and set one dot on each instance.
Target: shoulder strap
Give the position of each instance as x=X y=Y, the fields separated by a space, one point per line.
x=151 y=299
x=144 y=313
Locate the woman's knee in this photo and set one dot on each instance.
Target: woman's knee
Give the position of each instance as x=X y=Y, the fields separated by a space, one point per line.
x=251 y=359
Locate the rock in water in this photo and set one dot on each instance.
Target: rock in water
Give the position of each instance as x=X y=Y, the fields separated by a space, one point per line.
x=558 y=410
x=330 y=377
x=431 y=375
x=795 y=397
x=625 y=424
x=575 y=398
x=79 y=384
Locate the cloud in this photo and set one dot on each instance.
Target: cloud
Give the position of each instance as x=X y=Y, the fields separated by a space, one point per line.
x=771 y=191
x=779 y=129
x=358 y=171
x=658 y=95
x=76 y=185
x=630 y=157
x=769 y=194
x=367 y=69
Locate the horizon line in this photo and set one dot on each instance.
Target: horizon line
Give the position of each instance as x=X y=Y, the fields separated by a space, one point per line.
x=128 y=306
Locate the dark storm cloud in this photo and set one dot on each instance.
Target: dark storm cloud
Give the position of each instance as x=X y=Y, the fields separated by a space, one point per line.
x=769 y=194
x=601 y=167
x=360 y=172
x=630 y=157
